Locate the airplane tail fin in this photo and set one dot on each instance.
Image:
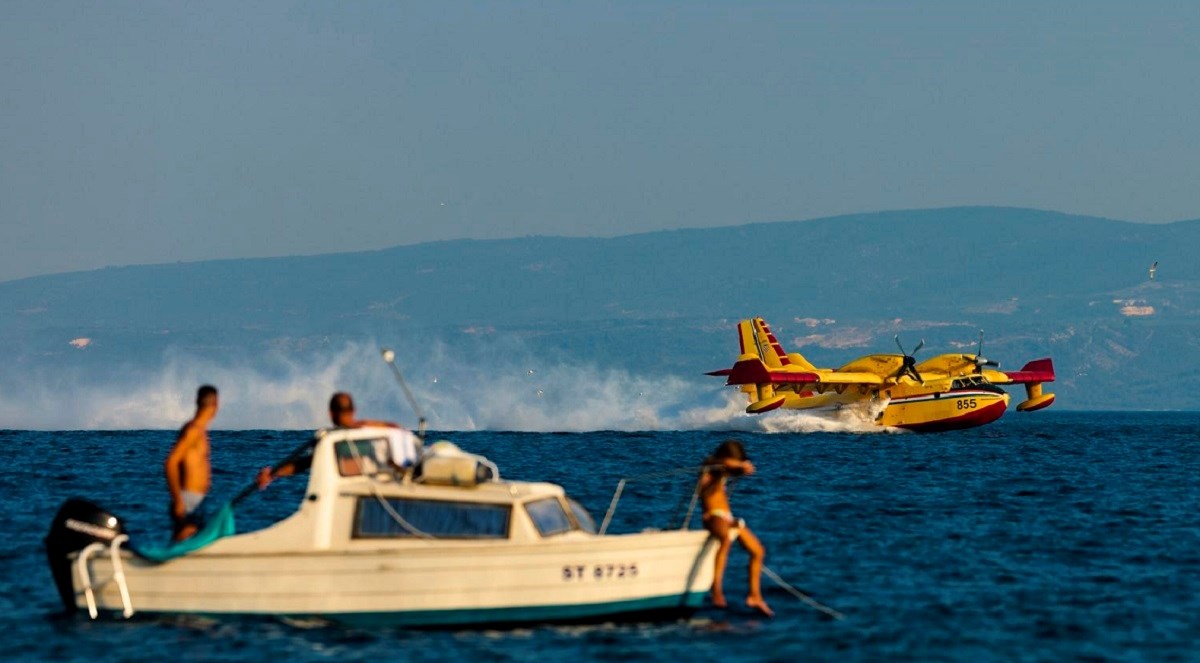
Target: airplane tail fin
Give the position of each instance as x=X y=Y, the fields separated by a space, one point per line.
x=760 y=356
x=772 y=352
x=754 y=364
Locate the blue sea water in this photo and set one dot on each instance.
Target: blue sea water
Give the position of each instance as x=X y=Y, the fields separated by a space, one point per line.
x=1045 y=537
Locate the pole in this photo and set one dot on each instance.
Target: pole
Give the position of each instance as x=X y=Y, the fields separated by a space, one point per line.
x=390 y=358
x=296 y=454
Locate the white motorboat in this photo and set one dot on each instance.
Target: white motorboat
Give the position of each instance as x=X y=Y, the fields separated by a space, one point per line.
x=387 y=534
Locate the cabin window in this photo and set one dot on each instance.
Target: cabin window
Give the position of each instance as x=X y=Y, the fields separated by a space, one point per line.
x=548 y=516
x=585 y=520
x=439 y=519
x=361 y=457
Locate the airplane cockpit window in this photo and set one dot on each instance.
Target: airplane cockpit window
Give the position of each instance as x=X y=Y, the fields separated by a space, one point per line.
x=969 y=381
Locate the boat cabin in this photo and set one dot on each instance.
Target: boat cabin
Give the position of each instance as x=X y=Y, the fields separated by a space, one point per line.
x=380 y=487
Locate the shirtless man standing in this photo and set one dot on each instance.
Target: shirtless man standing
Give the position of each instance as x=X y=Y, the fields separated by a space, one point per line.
x=189 y=469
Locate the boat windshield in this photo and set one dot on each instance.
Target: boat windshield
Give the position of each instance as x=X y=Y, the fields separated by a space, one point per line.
x=585 y=520
x=548 y=516
x=361 y=457
x=355 y=457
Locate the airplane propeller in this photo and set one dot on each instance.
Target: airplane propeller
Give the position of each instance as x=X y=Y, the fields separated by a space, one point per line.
x=909 y=366
x=980 y=360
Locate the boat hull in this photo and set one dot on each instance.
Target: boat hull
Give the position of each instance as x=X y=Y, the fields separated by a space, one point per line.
x=421 y=583
x=645 y=609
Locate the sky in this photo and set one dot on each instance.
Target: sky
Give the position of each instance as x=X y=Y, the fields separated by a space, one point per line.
x=158 y=132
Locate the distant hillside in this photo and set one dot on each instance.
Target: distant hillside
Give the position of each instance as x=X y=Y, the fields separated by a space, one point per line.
x=1040 y=283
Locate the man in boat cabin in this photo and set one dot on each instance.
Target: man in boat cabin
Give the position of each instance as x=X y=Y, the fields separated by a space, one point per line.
x=730 y=459
x=341 y=413
x=189 y=468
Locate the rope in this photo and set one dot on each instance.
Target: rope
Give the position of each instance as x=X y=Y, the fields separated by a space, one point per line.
x=387 y=507
x=695 y=497
x=732 y=480
x=409 y=527
x=810 y=601
x=691 y=507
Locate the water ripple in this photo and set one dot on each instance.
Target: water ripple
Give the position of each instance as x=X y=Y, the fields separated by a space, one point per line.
x=1052 y=536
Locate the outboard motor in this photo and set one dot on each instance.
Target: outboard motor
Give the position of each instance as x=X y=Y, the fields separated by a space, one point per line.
x=77 y=524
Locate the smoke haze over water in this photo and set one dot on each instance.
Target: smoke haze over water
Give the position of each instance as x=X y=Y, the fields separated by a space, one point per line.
x=498 y=385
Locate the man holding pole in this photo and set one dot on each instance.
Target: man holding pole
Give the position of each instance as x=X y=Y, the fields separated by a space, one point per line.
x=341 y=413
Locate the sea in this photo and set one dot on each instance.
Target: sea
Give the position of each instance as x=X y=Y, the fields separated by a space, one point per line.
x=1055 y=536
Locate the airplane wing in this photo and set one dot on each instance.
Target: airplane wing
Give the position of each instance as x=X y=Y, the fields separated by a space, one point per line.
x=872 y=369
x=949 y=365
x=752 y=371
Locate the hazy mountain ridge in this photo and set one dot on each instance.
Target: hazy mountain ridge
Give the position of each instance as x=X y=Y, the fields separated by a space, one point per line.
x=1041 y=283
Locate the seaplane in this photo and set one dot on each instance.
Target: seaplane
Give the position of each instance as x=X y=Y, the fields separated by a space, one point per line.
x=946 y=392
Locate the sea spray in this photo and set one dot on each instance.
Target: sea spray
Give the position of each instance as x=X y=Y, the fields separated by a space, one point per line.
x=498 y=384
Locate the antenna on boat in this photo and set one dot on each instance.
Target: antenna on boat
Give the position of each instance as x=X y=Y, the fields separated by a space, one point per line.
x=390 y=358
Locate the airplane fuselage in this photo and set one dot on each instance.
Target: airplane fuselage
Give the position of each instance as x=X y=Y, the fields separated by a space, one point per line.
x=958 y=408
x=916 y=407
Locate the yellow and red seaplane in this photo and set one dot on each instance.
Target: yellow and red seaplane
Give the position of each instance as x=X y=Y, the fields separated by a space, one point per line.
x=947 y=392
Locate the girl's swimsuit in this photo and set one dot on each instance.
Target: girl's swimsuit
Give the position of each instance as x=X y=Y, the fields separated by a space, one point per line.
x=735 y=524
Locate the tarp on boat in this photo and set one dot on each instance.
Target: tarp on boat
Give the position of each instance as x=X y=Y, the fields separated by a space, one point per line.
x=220 y=525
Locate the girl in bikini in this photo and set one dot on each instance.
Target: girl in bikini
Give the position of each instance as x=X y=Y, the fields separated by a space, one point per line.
x=730 y=460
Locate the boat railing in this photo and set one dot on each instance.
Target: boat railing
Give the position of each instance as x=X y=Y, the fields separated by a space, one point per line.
x=692 y=498
x=85 y=575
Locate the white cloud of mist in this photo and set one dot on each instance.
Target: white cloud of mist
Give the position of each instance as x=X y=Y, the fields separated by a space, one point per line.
x=859 y=418
x=499 y=384
x=273 y=391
